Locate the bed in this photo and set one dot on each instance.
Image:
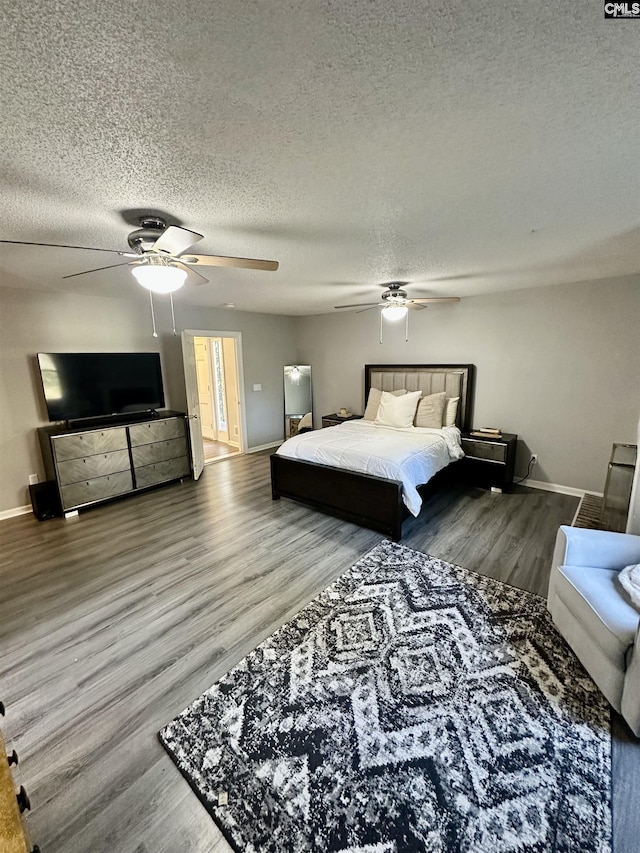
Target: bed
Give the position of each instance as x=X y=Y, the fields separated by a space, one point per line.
x=373 y=501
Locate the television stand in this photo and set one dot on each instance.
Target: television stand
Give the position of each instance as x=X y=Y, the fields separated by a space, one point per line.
x=94 y=463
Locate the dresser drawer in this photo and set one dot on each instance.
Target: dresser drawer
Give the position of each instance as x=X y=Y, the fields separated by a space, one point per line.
x=146 y=454
x=83 y=444
x=492 y=451
x=161 y=472
x=160 y=430
x=96 y=489
x=89 y=467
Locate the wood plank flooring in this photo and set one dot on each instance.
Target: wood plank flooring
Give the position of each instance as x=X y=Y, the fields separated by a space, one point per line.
x=217 y=449
x=114 y=621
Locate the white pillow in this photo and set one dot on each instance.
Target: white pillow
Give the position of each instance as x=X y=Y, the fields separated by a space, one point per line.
x=397 y=411
x=450 y=411
x=430 y=411
x=373 y=402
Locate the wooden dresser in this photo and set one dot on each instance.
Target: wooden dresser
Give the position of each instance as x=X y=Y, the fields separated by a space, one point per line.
x=104 y=462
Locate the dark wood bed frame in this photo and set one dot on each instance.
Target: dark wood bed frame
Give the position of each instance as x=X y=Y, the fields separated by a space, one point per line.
x=373 y=502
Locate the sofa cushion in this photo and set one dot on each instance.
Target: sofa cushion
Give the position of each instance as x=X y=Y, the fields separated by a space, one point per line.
x=594 y=597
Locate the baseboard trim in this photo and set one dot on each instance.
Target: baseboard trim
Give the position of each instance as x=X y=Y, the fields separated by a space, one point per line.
x=17 y=510
x=265 y=446
x=555 y=487
x=577 y=512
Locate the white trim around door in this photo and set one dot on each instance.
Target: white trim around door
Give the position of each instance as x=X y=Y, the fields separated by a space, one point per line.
x=214 y=333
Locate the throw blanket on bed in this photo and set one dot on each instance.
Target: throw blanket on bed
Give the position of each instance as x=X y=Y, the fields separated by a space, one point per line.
x=630 y=580
x=412 y=455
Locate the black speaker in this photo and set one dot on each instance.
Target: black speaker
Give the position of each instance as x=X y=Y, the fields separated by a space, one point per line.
x=45 y=500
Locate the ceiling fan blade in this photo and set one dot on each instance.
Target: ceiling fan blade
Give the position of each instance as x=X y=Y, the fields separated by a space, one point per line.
x=65 y=246
x=360 y=305
x=436 y=299
x=223 y=261
x=362 y=310
x=98 y=269
x=191 y=272
x=175 y=240
x=414 y=306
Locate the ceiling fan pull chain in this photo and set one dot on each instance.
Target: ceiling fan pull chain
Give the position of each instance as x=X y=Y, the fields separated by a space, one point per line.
x=380 y=326
x=153 y=316
x=406 y=325
x=173 y=316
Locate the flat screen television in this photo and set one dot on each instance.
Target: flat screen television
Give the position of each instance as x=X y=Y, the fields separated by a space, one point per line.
x=79 y=385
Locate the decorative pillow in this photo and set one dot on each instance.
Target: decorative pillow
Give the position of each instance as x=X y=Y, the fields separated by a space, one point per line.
x=629 y=578
x=450 y=411
x=397 y=411
x=373 y=403
x=430 y=409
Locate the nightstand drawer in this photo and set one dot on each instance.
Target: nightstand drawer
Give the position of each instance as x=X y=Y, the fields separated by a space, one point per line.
x=492 y=451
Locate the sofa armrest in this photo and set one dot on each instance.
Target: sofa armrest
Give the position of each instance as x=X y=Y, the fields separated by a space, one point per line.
x=630 y=702
x=598 y=549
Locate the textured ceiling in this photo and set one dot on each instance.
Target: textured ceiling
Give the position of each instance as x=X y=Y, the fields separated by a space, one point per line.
x=470 y=145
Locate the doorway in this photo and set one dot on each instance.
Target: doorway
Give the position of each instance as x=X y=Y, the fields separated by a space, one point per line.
x=214 y=391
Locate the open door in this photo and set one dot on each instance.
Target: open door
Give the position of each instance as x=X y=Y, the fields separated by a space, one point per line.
x=193 y=405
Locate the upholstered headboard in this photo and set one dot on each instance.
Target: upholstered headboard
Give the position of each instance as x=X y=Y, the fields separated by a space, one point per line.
x=455 y=379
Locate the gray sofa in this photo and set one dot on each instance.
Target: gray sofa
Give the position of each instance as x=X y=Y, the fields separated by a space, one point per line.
x=593 y=614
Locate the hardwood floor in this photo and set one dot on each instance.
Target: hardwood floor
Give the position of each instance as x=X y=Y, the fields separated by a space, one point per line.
x=116 y=620
x=217 y=449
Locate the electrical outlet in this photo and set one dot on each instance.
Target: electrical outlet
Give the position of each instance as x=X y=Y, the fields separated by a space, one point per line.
x=534 y=458
x=33 y=479
x=257 y=386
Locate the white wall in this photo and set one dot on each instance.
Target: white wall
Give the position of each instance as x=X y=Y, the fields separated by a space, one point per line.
x=35 y=321
x=559 y=366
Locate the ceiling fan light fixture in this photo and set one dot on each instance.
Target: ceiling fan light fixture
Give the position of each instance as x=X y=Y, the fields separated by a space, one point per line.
x=160 y=278
x=394 y=312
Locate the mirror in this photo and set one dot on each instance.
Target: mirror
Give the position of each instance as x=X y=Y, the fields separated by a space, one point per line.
x=298 y=401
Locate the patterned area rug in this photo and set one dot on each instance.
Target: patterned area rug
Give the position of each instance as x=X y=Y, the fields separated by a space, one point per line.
x=412 y=706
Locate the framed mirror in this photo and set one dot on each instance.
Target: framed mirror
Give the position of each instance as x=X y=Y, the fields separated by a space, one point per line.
x=298 y=399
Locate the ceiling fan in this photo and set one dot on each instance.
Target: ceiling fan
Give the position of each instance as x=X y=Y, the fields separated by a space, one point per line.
x=396 y=302
x=158 y=260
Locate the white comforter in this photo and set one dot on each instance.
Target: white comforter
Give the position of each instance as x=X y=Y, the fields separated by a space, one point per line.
x=412 y=455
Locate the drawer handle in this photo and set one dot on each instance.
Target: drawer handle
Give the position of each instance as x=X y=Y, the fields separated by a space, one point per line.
x=13 y=758
x=24 y=803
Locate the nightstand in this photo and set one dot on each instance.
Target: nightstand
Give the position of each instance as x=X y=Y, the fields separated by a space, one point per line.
x=489 y=462
x=335 y=419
